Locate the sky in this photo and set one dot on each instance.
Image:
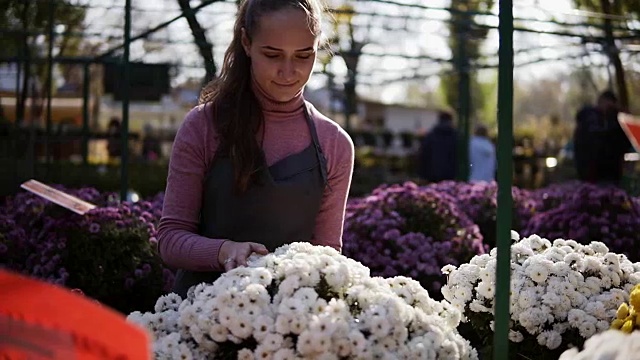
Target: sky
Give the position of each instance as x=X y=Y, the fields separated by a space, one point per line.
x=402 y=36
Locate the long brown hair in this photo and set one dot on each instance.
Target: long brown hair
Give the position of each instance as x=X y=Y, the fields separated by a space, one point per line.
x=237 y=112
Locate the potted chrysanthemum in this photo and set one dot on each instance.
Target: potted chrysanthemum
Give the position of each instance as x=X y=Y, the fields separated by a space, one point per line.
x=562 y=293
x=305 y=301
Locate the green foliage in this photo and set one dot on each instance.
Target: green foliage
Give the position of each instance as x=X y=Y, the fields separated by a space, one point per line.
x=18 y=15
x=616 y=18
x=119 y=266
x=147 y=179
x=627 y=8
x=488 y=110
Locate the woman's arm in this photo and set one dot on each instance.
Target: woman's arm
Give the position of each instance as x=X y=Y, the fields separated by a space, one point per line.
x=339 y=151
x=179 y=244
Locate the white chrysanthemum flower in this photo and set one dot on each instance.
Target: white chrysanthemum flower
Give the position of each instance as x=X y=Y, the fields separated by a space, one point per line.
x=241 y=327
x=319 y=306
x=336 y=275
x=486 y=289
x=463 y=293
x=292 y=305
x=478 y=306
x=166 y=346
x=448 y=269
x=137 y=318
x=358 y=341
x=599 y=247
x=262 y=352
x=306 y=294
x=342 y=347
x=168 y=302
x=337 y=309
x=257 y=293
x=379 y=326
x=550 y=339
x=520 y=250
x=306 y=345
x=289 y=285
x=573 y=244
x=538 y=273
x=245 y=354
x=262 y=326
x=283 y=322
x=218 y=332
x=515 y=336
x=587 y=329
x=284 y=354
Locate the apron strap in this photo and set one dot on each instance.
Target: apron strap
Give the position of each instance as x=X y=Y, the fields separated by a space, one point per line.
x=316 y=144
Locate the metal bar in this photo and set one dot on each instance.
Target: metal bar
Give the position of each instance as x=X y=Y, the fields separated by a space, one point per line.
x=464 y=96
x=152 y=30
x=57 y=59
x=49 y=82
x=85 y=114
x=126 y=68
x=505 y=201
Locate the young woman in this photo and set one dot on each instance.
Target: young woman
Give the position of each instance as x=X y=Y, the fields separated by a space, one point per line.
x=254 y=166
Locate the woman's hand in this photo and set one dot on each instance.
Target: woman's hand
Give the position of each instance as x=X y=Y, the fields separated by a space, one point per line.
x=233 y=254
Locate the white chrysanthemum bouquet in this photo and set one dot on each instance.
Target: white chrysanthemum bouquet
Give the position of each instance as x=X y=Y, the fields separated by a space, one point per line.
x=305 y=301
x=561 y=293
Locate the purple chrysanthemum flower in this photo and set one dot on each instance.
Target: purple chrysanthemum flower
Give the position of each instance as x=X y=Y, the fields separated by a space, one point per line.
x=94 y=228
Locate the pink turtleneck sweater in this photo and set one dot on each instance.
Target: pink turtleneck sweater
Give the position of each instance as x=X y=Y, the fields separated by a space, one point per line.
x=286 y=133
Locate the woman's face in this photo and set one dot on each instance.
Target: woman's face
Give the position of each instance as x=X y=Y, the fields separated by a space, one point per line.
x=283 y=52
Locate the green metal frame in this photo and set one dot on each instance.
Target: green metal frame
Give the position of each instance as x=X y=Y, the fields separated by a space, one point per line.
x=126 y=72
x=505 y=164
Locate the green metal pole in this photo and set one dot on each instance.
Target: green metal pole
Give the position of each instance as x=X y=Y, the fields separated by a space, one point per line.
x=464 y=96
x=49 y=84
x=85 y=114
x=505 y=201
x=124 y=158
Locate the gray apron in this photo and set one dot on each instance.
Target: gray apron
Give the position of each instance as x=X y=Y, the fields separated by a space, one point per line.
x=280 y=209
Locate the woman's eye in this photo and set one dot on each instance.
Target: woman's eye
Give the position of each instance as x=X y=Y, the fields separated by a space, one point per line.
x=305 y=56
x=271 y=56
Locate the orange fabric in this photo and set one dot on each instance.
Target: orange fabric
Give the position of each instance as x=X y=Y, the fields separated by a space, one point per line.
x=42 y=321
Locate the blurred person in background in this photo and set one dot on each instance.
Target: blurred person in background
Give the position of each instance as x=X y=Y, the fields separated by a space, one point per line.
x=482 y=156
x=599 y=142
x=437 y=155
x=114 y=141
x=151 y=145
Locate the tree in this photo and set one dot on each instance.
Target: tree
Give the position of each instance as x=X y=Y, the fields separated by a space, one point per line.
x=416 y=94
x=465 y=42
x=205 y=48
x=349 y=46
x=615 y=15
x=23 y=23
